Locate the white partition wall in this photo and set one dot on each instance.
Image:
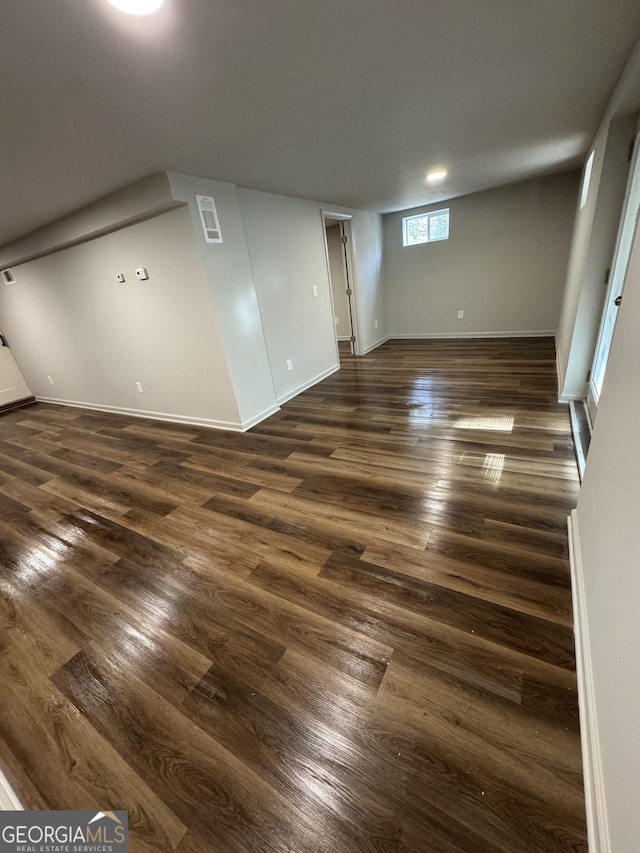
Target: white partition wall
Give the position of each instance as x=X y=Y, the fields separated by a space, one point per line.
x=12 y=384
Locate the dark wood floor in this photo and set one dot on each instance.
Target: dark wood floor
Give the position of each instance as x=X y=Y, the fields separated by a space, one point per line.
x=346 y=630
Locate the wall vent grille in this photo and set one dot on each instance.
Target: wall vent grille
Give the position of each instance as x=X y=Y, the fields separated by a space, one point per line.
x=7 y=277
x=209 y=219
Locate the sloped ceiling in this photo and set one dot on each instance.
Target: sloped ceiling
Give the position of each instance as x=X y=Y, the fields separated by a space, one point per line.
x=348 y=102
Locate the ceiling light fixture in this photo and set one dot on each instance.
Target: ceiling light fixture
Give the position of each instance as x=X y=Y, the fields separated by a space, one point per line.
x=137 y=7
x=437 y=176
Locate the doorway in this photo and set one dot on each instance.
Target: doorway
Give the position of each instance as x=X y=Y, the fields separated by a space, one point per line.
x=617 y=276
x=337 y=232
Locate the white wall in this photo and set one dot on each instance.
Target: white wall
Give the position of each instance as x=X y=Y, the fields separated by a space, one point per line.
x=142 y=200
x=504 y=263
x=607 y=517
x=338 y=282
x=285 y=237
x=231 y=283
x=286 y=246
x=67 y=317
x=12 y=384
x=197 y=337
x=580 y=309
x=591 y=254
x=369 y=293
x=606 y=554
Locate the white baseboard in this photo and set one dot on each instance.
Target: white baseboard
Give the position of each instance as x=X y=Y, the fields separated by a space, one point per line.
x=290 y=394
x=259 y=418
x=9 y=801
x=376 y=345
x=577 y=443
x=569 y=398
x=236 y=426
x=597 y=825
x=531 y=333
x=559 y=376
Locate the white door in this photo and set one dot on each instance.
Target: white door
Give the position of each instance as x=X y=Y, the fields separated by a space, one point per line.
x=12 y=384
x=338 y=276
x=616 y=281
x=340 y=259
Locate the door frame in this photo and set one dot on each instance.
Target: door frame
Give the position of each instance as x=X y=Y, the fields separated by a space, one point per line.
x=616 y=283
x=345 y=219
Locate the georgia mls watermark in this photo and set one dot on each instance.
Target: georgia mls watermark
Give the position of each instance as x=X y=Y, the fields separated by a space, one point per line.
x=63 y=832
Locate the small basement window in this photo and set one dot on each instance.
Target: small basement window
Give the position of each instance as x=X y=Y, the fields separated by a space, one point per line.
x=425 y=227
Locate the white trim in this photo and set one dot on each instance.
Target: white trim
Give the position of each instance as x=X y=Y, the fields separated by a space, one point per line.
x=375 y=346
x=256 y=419
x=9 y=801
x=530 y=333
x=19 y=402
x=290 y=394
x=236 y=426
x=568 y=398
x=597 y=825
x=559 y=375
x=589 y=418
x=577 y=443
x=329 y=214
x=586 y=179
x=325 y=243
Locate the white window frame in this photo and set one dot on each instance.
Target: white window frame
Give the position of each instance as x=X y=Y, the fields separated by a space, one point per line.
x=426 y=215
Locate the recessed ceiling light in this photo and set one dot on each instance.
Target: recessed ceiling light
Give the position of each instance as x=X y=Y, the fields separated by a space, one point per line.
x=137 y=7
x=437 y=175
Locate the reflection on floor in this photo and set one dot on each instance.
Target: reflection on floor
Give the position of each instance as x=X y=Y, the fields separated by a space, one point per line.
x=344 y=349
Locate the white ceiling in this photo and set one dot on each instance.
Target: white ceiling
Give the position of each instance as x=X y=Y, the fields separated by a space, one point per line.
x=344 y=101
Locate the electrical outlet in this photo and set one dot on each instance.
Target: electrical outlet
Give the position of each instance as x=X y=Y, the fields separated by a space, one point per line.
x=460 y=315
x=139 y=387
x=375 y=324
x=121 y=277
x=289 y=364
x=50 y=380
x=315 y=290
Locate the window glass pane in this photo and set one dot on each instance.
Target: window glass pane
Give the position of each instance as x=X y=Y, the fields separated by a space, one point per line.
x=439 y=226
x=425 y=227
x=417 y=230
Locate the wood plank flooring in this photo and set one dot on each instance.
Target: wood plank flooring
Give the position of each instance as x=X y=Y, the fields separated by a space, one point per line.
x=346 y=631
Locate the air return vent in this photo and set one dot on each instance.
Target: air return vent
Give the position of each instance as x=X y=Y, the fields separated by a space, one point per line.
x=7 y=277
x=209 y=219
